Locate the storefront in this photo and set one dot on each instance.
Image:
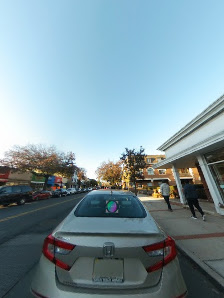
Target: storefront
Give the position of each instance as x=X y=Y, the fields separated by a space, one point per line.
x=4 y=175
x=56 y=182
x=200 y=144
x=37 y=182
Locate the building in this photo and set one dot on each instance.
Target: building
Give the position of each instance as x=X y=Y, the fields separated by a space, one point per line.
x=154 y=177
x=14 y=177
x=200 y=144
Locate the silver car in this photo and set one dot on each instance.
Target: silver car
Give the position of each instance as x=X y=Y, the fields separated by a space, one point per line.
x=109 y=246
x=71 y=191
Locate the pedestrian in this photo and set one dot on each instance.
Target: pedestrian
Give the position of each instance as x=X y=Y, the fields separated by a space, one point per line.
x=192 y=198
x=165 y=191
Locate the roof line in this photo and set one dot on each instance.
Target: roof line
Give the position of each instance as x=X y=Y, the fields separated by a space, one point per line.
x=209 y=113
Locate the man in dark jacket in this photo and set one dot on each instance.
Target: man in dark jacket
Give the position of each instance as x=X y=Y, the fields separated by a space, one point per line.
x=192 y=198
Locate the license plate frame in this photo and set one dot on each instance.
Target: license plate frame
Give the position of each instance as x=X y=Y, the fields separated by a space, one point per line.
x=108 y=270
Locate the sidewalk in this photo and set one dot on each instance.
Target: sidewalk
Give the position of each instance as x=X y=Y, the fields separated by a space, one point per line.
x=202 y=241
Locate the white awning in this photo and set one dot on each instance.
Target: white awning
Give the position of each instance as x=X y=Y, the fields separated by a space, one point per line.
x=162 y=178
x=37 y=182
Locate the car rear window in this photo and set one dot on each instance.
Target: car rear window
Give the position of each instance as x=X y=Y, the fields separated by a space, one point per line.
x=109 y=205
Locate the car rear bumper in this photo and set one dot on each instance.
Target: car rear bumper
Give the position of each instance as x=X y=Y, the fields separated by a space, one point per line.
x=44 y=284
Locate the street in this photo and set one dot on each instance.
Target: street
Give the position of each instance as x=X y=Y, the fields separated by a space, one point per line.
x=23 y=229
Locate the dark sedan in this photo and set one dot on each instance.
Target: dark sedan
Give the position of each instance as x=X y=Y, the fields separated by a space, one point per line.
x=59 y=193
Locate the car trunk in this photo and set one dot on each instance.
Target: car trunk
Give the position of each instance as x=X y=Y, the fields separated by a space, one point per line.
x=109 y=260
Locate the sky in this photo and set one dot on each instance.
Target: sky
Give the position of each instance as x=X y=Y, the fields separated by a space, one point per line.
x=96 y=76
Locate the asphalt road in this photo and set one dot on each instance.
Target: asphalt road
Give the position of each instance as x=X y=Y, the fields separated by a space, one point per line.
x=23 y=229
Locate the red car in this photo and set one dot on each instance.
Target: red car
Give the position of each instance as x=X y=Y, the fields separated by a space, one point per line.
x=41 y=195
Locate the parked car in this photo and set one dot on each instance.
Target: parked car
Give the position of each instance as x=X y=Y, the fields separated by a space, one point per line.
x=59 y=192
x=71 y=191
x=15 y=194
x=41 y=195
x=108 y=246
x=79 y=190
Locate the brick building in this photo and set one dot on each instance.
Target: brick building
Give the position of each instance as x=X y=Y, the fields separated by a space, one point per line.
x=153 y=177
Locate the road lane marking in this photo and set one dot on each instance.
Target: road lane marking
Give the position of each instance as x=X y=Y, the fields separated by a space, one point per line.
x=32 y=211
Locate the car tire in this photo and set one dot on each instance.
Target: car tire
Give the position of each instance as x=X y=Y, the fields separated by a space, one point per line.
x=21 y=201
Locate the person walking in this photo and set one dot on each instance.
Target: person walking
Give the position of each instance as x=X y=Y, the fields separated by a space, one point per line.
x=165 y=191
x=192 y=198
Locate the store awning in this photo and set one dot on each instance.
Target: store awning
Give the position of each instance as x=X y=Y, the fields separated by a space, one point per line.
x=37 y=182
x=161 y=179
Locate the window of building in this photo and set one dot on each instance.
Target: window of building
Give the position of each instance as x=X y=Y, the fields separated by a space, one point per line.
x=162 y=171
x=150 y=160
x=215 y=161
x=150 y=171
x=139 y=185
x=160 y=159
x=149 y=184
x=184 y=171
x=215 y=156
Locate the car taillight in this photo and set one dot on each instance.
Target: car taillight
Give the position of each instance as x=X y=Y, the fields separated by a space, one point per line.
x=52 y=246
x=165 y=249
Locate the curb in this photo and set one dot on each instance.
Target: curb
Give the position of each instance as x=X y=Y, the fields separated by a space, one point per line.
x=215 y=278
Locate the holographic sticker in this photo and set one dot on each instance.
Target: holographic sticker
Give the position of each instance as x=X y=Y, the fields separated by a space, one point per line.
x=112 y=206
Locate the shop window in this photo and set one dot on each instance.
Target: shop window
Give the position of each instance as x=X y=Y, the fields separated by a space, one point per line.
x=215 y=156
x=215 y=161
x=218 y=175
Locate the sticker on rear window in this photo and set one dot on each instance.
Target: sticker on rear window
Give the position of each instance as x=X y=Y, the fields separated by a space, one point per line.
x=112 y=207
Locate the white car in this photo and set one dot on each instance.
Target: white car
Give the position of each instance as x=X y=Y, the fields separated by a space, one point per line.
x=71 y=191
x=109 y=246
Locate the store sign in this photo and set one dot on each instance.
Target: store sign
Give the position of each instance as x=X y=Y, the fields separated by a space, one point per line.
x=58 y=180
x=4 y=176
x=36 y=178
x=51 y=180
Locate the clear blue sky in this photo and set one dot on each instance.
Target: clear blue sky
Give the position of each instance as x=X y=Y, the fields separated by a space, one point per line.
x=96 y=76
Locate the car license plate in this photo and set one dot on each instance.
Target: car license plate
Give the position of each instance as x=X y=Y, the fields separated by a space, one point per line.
x=108 y=270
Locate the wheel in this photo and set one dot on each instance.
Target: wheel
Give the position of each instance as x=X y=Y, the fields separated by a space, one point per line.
x=21 y=201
